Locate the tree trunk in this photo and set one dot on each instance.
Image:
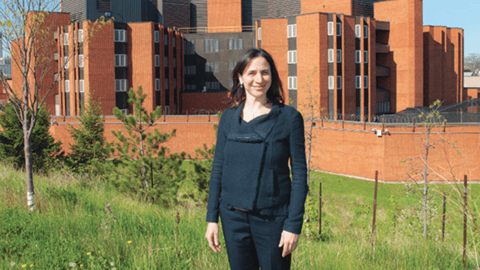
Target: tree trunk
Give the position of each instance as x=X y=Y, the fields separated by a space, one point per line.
x=28 y=167
x=425 y=186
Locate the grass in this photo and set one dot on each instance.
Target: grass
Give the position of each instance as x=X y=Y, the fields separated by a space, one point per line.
x=71 y=224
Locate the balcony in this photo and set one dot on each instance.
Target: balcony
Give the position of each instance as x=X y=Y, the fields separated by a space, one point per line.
x=383 y=25
x=383 y=71
x=383 y=48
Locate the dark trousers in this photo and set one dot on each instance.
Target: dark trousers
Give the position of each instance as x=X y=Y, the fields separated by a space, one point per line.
x=252 y=240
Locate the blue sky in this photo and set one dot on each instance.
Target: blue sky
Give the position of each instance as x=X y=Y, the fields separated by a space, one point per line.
x=456 y=13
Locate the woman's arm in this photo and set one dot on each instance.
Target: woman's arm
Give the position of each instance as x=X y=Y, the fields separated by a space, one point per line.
x=299 y=190
x=216 y=176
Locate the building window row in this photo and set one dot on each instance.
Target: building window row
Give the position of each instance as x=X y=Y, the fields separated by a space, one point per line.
x=235 y=44
x=212 y=85
x=292 y=82
x=80 y=61
x=331 y=82
x=331 y=53
x=81 y=86
x=358 y=31
x=67 y=86
x=190 y=87
x=120 y=35
x=358 y=54
x=358 y=81
x=212 y=67
x=330 y=29
x=65 y=39
x=157 y=36
x=292 y=57
x=121 y=85
x=211 y=45
x=190 y=70
x=80 y=36
x=291 y=31
x=157 y=60
x=120 y=60
x=157 y=84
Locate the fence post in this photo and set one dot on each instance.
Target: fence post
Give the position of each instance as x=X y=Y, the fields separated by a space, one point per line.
x=374 y=205
x=208 y=116
x=443 y=216
x=465 y=220
x=320 y=209
x=413 y=125
x=187 y=115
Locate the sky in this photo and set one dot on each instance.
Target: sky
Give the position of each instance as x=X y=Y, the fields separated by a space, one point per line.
x=459 y=14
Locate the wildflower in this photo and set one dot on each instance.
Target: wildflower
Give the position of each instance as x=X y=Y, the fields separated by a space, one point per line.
x=12 y=263
x=24 y=265
x=72 y=264
x=31 y=265
x=89 y=253
x=112 y=264
x=114 y=268
x=129 y=242
x=81 y=265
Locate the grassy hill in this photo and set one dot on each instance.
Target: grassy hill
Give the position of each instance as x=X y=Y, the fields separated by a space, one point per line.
x=85 y=223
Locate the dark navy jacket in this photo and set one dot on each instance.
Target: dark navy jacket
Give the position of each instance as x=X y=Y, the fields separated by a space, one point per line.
x=250 y=167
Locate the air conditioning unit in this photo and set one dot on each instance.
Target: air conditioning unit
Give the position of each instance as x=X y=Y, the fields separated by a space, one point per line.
x=124 y=111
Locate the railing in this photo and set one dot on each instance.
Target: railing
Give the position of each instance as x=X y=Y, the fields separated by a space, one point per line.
x=450 y=117
x=220 y=29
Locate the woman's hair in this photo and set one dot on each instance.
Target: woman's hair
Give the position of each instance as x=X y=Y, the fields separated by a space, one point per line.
x=237 y=94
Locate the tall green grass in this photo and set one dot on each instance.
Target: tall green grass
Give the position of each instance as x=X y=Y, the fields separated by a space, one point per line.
x=72 y=226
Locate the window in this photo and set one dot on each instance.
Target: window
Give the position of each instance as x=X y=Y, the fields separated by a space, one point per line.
x=365 y=56
x=157 y=36
x=174 y=62
x=80 y=60
x=365 y=31
x=65 y=60
x=166 y=39
x=121 y=85
x=358 y=81
x=331 y=83
x=339 y=55
x=80 y=36
x=212 y=67
x=358 y=30
x=190 y=70
x=65 y=39
x=166 y=61
x=232 y=64
x=292 y=82
x=292 y=30
x=120 y=35
x=357 y=57
x=174 y=42
x=339 y=82
x=330 y=55
x=166 y=83
x=211 y=45
x=259 y=33
x=212 y=85
x=292 y=57
x=157 y=60
x=67 y=86
x=365 y=84
x=330 y=28
x=157 y=84
x=339 y=29
x=190 y=87
x=190 y=46
x=81 y=86
x=120 y=60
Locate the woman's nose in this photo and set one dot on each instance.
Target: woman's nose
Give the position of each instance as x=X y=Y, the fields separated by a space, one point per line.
x=258 y=77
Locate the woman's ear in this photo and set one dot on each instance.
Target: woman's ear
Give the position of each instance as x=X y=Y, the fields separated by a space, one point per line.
x=240 y=79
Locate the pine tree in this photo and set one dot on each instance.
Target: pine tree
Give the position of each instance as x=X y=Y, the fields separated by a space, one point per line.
x=142 y=165
x=89 y=144
x=43 y=145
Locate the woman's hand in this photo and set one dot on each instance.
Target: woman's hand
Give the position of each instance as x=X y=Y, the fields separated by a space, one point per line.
x=212 y=237
x=289 y=242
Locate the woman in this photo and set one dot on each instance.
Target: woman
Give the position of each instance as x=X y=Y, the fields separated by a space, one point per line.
x=261 y=208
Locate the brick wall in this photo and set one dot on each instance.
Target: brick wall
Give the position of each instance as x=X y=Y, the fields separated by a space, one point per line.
x=194 y=102
x=327 y=6
x=224 y=16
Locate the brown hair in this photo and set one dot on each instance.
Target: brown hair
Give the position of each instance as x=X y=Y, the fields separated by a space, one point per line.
x=237 y=94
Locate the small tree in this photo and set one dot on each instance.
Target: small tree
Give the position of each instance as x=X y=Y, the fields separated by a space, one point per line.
x=89 y=142
x=43 y=146
x=143 y=166
x=28 y=36
x=472 y=61
x=422 y=169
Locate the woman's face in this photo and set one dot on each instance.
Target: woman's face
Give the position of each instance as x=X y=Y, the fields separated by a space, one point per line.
x=256 y=78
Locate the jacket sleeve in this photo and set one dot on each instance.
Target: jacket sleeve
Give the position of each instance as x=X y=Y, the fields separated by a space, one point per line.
x=216 y=175
x=299 y=190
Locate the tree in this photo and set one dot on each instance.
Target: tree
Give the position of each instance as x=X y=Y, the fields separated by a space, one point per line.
x=27 y=29
x=142 y=165
x=43 y=145
x=89 y=142
x=472 y=62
